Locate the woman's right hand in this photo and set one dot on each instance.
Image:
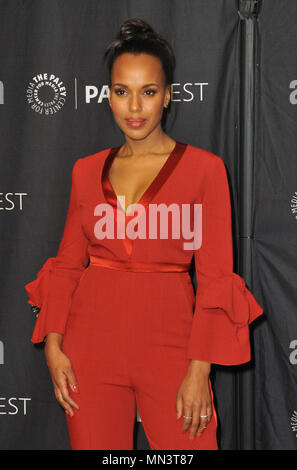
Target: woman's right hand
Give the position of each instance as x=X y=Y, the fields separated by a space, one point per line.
x=61 y=371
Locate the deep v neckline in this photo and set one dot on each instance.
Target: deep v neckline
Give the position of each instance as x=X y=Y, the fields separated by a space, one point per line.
x=155 y=185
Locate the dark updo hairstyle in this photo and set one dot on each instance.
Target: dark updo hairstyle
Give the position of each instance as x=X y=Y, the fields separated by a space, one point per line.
x=136 y=36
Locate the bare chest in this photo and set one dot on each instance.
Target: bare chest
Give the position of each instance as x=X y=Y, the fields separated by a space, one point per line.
x=131 y=179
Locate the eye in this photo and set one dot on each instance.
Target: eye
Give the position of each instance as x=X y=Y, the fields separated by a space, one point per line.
x=152 y=91
x=118 y=89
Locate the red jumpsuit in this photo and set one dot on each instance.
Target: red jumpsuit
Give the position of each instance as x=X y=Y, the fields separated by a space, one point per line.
x=130 y=319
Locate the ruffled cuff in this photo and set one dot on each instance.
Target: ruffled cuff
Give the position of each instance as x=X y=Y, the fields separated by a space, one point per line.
x=38 y=292
x=220 y=329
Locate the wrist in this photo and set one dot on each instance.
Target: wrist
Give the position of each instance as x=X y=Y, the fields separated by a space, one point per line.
x=202 y=367
x=53 y=340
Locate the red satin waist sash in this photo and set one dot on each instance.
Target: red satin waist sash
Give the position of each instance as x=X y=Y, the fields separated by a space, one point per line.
x=138 y=266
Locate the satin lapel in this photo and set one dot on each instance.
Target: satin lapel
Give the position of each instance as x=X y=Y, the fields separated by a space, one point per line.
x=157 y=183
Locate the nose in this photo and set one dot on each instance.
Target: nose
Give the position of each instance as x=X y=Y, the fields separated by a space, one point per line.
x=135 y=102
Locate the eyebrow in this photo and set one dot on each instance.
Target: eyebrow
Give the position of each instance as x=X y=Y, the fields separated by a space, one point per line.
x=144 y=86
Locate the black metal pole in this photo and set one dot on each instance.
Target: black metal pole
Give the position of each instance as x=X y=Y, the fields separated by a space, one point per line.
x=248 y=10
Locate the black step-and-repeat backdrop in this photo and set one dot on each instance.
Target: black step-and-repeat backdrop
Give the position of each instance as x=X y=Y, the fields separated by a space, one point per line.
x=54 y=110
x=275 y=226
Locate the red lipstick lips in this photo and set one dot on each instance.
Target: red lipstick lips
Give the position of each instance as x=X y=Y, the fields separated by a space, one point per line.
x=135 y=122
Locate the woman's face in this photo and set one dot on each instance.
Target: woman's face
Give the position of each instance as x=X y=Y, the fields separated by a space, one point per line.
x=138 y=92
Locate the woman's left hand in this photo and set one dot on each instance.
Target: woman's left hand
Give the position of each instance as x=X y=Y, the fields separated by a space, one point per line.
x=193 y=398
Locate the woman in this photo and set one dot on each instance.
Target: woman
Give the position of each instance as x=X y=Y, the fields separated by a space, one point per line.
x=126 y=330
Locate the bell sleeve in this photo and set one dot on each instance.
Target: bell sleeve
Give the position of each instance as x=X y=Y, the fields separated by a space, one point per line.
x=224 y=306
x=51 y=292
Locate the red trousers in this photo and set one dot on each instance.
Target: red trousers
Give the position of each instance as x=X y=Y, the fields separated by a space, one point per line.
x=126 y=337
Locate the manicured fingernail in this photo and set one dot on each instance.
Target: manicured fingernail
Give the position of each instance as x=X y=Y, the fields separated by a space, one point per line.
x=177 y=415
x=75 y=388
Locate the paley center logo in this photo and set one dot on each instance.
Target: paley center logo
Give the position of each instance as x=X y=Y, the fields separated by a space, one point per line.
x=293 y=204
x=133 y=223
x=46 y=93
x=1 y=92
